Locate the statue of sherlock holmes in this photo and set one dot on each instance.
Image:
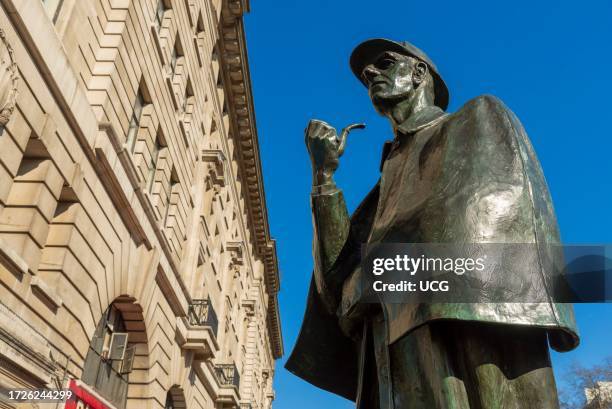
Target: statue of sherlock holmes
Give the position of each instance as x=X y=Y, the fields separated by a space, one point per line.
x=471 y=176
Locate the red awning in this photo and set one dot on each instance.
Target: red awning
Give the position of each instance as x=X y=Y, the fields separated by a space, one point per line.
x=83 y=393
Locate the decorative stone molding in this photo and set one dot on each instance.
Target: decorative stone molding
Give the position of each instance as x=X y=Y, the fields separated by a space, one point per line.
x=215 y=160
x=216 y=192
x=236 y=269
x=249 y=307
x=9 y=77
x=216 y=189
x=236 y=249
x=234 y=59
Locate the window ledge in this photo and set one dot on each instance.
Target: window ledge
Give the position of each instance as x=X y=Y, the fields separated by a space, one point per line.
x=40 y=287
x=12 y=260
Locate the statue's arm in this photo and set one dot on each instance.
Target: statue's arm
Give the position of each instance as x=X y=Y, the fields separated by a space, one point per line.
x=330 y=218
x=331 y=224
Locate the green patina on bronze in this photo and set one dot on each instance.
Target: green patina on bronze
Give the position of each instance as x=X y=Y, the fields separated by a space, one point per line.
x=467 y=177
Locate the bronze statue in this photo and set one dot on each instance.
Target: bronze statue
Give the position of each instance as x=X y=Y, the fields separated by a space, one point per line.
x=467 y=177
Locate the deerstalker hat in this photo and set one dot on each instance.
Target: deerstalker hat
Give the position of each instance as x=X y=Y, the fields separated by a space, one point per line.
x=367 y=52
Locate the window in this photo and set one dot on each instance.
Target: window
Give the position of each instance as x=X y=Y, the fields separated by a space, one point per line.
x=198 y=40
x=175 y=398
x=200 y=26
x=159 y=13
x=53 y=8
x=109 y=359
x=188 y=95
x=157 y=147
x=139 y=104
x=177 y=52
x=173 y=58
x=171 y=186
x=169 y=402
x=220 y=86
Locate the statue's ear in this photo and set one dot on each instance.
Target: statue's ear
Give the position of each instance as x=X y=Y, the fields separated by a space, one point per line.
x=420 y=72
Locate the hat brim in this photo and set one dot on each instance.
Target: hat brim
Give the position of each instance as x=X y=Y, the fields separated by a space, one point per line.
x=367 y=52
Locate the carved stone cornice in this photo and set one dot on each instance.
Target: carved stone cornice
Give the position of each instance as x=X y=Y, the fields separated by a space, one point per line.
x=9 y=77
x=234 y=60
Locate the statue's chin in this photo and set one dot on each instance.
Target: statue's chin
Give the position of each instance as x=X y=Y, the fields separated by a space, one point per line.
x=383 y=104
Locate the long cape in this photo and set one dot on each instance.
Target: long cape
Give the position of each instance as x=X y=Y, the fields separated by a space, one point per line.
x=484 y=146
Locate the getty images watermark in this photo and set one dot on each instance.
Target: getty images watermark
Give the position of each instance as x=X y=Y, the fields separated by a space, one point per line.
x=477 y=272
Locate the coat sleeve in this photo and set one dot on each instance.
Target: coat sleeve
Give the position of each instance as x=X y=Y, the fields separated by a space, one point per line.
x=331 y=225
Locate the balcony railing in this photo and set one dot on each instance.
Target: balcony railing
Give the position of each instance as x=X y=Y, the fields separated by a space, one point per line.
x=228 y=375
x=202 y=313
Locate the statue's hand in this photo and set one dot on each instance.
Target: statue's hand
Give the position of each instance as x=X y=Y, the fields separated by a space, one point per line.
x=325 y=147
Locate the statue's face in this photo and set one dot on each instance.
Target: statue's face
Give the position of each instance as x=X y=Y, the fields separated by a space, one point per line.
x=391 y=79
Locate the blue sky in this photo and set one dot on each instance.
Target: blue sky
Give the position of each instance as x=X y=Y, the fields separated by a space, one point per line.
x=550 y=62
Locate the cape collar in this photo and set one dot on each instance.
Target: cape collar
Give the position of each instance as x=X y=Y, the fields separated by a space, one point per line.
x=422 y=119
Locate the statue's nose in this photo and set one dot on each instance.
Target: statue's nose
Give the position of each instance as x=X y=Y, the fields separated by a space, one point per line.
x=369 y=73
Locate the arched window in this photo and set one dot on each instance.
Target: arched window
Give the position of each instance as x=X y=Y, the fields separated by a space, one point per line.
x=175 y=399
x=169 y=401
x=109 y=359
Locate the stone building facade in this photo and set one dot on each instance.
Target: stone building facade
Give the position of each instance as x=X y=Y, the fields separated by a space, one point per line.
x=136 y=263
